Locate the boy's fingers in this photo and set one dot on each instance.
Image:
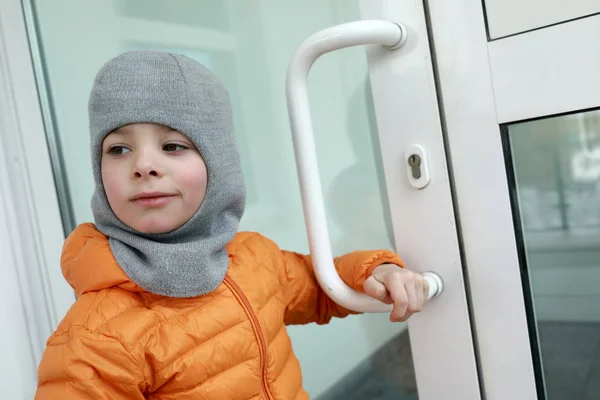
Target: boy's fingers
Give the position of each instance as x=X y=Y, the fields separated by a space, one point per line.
x=408 y=291
x=400 y=306
x=399 y=296
x=412 y=303
x=377 y=290
x=421 y=297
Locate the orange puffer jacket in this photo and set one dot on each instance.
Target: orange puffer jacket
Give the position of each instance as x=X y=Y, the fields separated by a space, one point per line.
x=120 y=342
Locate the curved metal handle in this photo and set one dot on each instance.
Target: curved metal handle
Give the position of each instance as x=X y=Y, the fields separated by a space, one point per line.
x=390 y=35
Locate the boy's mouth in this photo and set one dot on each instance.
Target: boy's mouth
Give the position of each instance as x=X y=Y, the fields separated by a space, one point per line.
x=152 y=199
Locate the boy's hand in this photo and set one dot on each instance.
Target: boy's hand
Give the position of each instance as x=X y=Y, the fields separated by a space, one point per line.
x=406 y=289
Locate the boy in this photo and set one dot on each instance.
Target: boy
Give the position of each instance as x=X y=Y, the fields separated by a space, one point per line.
x=172 y=302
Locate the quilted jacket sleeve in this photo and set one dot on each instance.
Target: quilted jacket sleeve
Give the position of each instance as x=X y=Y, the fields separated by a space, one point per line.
x=80 y=364
x=307 y=302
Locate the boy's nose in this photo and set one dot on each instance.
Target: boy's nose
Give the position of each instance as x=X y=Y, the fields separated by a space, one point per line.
x=145 y=167
x=144 y=173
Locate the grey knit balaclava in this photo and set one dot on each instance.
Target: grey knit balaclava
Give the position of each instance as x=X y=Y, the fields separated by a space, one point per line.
x=175 y=91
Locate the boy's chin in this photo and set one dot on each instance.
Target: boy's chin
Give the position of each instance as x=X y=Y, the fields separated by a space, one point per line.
x=151 y=226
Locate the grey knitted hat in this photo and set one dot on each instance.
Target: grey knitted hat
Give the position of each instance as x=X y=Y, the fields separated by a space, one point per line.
x=176 y=91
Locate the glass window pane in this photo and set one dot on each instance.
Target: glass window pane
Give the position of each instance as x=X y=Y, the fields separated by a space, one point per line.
x=556 y=163
x=248 y=45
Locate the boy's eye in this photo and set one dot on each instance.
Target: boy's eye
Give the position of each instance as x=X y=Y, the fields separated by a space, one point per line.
x=172 y=147
x=118 y=150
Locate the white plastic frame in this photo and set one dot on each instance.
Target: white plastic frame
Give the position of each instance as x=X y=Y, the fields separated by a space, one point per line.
x=483 y=84
x=32 y=232
x=35 y=202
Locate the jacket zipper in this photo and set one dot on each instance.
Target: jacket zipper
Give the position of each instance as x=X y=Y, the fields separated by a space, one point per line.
x=260 y=338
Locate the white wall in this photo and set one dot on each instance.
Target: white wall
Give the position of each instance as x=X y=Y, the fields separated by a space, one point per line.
x=250 y=53
x=18 y=366
x=31 y=295
x=508 y=17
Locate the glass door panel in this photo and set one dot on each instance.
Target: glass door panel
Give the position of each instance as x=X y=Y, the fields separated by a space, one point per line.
x=248 y=45
x=556 y=196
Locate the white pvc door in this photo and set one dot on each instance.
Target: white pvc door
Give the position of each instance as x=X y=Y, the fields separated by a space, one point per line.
x=521 y=109
x=368 y=104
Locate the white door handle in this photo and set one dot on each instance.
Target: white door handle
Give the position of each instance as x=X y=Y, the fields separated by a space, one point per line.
x=390 y=35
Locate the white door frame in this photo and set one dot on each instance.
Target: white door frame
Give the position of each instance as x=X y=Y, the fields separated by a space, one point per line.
x=34 y=292
x=27 y=183
x=482 y=85
x=406 y=107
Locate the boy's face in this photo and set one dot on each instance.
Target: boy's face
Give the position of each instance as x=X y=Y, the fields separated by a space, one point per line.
x=154 y=177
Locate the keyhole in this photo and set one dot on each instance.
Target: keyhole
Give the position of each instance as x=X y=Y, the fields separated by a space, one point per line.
x=414 y=161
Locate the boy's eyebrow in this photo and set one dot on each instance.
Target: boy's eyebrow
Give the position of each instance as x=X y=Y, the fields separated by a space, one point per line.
x=126 y=129
x=165 y=128
x=120 y=131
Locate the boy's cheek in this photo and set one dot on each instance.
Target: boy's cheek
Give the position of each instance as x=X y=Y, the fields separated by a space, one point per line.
x=112 y=185
x=193 y=178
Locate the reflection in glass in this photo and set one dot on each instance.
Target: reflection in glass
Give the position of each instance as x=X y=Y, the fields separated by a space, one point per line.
x=556 y=163
x=248 y=45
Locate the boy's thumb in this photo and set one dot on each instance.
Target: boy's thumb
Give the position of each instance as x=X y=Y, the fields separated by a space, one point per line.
x=377 y=290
